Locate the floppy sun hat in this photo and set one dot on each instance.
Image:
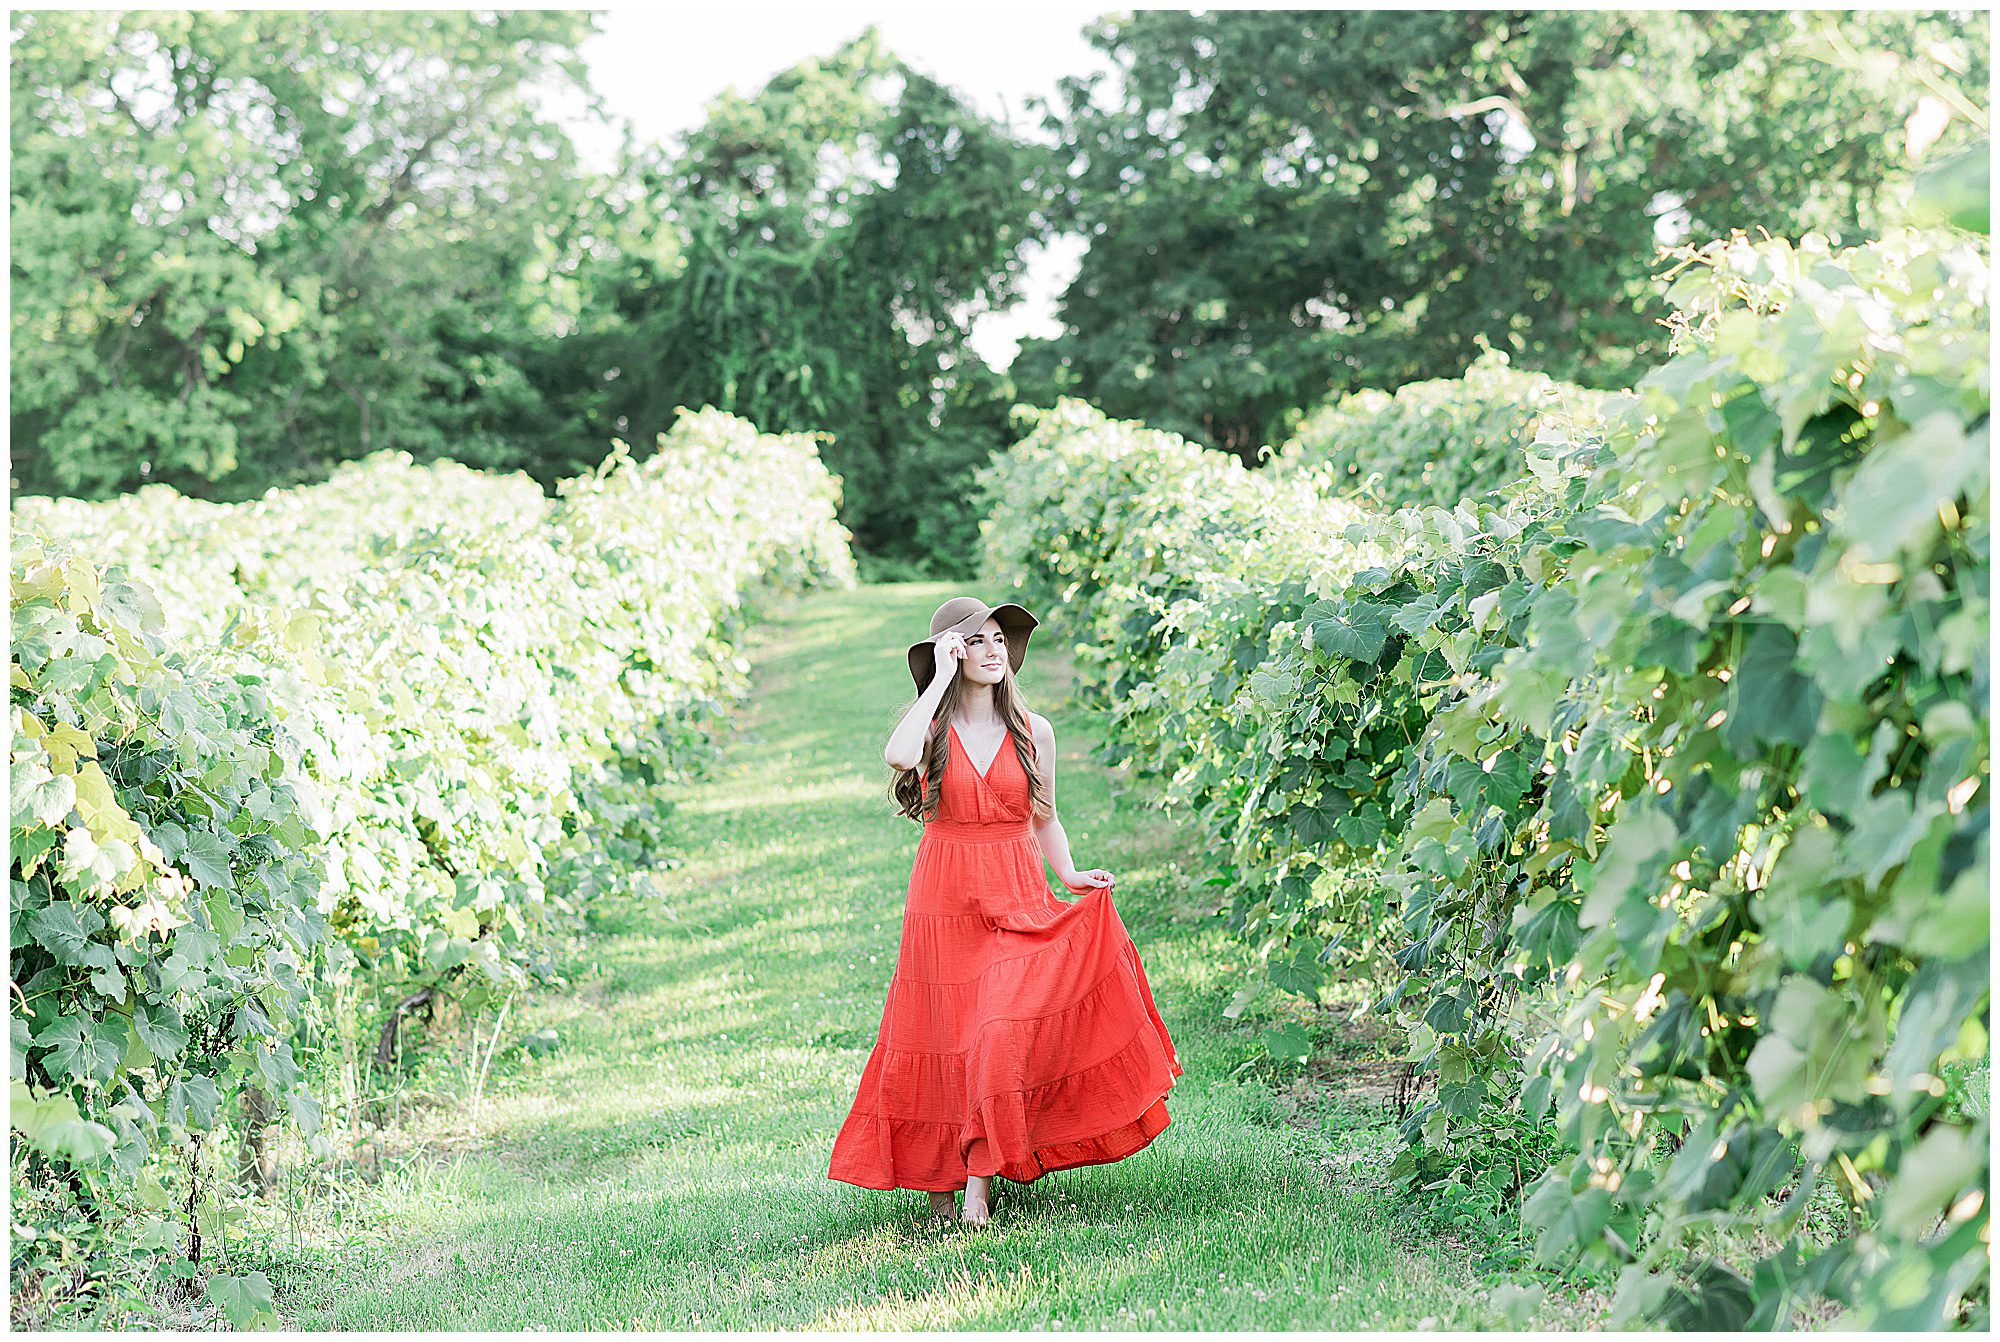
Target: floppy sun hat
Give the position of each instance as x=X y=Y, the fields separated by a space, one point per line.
x=964 y=615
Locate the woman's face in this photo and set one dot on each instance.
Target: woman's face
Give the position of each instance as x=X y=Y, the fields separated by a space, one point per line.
x=985 y=654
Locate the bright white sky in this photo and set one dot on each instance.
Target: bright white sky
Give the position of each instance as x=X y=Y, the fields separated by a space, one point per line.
x=659 y=66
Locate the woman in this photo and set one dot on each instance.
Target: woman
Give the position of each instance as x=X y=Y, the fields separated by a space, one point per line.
x=1019 y=1035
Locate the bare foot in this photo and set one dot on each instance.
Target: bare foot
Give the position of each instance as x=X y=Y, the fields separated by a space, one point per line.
x=977 y=1210
x=945 y=1205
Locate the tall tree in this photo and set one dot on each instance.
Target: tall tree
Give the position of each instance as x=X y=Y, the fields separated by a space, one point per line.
x=248 y=245
x=1280 y=205
x=834 y=236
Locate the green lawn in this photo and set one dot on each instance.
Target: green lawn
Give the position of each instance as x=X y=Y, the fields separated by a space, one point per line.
x=665 y=1167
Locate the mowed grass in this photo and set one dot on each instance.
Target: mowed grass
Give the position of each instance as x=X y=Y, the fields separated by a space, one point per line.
x=665 y=1167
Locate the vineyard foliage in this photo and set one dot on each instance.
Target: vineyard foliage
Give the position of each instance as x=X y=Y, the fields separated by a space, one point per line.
x=369 y=734
x=164 y=912
x=1437 y=441
x=1666 y=765
x=1164 y=561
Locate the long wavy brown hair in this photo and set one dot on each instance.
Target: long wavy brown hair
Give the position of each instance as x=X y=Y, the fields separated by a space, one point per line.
x=919 y=801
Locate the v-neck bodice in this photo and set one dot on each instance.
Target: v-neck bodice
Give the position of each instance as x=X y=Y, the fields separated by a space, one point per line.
x=971 y=804
x=1006 y=740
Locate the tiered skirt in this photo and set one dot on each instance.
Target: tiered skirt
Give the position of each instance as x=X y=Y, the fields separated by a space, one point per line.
x=1019 y=1034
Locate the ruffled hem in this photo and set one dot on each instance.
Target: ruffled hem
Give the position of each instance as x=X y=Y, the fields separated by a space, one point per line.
x=1020 y=1134
x=928 y=1162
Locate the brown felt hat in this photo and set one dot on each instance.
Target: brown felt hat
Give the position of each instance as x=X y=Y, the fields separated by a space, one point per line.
x=964 y=615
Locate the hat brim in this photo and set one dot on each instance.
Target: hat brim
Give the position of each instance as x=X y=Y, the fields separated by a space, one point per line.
x=1015 y=620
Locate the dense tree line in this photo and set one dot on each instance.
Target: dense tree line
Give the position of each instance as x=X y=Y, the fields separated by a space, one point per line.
x=836 y=233
x=1282 y=204
x=249 y=246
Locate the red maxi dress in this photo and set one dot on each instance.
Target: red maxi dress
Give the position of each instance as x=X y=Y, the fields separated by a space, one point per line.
x=1019 y=1035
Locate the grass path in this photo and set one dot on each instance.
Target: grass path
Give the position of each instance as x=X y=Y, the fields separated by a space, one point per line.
x=665 y=1167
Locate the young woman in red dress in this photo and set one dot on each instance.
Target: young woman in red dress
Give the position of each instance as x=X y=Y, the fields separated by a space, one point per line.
x=1019 y=1034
